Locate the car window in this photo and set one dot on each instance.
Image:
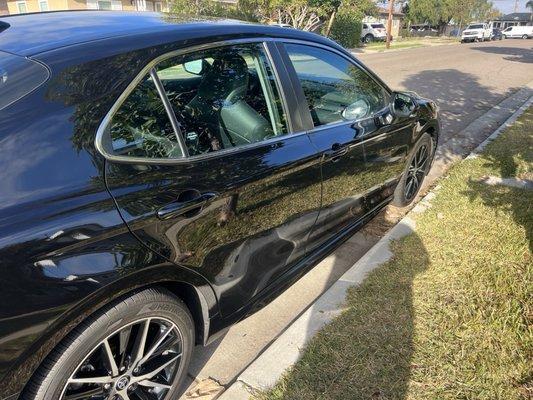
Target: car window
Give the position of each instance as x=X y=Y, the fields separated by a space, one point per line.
x=477 y=26
x=376 y=26
x=141 y=127
x=223 y=97
x=335 y=88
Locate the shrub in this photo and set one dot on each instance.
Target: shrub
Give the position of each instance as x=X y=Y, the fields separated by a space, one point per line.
x=346 y=29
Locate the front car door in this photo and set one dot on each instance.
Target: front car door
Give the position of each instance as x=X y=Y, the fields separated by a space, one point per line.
x=206 y=168
x=362 y=150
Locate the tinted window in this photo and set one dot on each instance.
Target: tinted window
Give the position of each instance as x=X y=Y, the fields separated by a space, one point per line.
x=223 y=97
x=336 y=89
x=478 y=26
x=141 y=126
x=376 y=26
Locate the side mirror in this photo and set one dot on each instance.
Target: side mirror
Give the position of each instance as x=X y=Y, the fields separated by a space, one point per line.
x=195 y=67
x=403 y=105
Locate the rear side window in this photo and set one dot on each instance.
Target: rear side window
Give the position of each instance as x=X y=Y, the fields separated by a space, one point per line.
x=141 y=127
x=223 y=97
x=18 y=77
x=217 y=99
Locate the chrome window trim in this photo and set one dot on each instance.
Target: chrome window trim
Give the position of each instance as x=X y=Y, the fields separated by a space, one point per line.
x=98 y=141
x=146 y=70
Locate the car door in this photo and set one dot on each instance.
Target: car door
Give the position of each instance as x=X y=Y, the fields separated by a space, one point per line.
x=362 y=152
x=229 y=185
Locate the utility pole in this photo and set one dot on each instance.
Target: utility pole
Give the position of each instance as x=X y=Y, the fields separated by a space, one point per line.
x=389 y=22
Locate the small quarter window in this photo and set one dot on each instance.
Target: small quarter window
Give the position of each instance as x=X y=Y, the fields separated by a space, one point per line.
x=141 y=126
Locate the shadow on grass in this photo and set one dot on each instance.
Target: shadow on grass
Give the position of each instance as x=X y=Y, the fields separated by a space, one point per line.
x=367 y=352
x=510 y=160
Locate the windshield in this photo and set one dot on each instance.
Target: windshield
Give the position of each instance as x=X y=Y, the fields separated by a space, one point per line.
x=475 y=26
x=377 y=26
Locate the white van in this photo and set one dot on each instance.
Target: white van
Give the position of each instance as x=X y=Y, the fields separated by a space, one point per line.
x=524 y=32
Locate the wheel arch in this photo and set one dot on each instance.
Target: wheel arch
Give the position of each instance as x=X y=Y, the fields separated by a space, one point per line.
x=189 y=287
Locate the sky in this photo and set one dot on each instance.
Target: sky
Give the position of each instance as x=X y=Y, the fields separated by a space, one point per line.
x=507 y=6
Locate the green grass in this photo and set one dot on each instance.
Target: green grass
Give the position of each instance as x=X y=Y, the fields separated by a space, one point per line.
x=450 y=316
x=406 y=43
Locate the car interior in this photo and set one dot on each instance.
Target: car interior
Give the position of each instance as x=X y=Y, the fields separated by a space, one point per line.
x=222 y=98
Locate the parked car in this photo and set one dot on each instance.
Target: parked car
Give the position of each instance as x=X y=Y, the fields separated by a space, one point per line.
x=523 y=32
x=373 y=32
x=496 y=34
x=161 y=179
x=478 y=32
x=423 y=30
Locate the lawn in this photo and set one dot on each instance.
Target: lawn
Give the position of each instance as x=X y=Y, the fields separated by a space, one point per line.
x=408 y=43
x=450 y=316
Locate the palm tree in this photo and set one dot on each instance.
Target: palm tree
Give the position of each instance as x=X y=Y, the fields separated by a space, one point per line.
x=529 y=5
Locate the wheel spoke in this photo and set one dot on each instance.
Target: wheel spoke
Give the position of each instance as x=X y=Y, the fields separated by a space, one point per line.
x=158 y=343
x=110 y=358
x=408 y=186
x=140 y=342
x=96 y=380
x=84 y=395
x=124 y=337
x=149 y=383
x=154 y=372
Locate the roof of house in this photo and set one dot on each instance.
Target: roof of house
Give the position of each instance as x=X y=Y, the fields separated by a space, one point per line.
x=525 y=16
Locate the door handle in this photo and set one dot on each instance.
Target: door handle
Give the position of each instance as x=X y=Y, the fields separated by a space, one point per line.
x=336 y=152
x=188 y=208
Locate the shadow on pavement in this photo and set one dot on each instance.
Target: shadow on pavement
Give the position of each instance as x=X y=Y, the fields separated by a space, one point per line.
x=514 y=53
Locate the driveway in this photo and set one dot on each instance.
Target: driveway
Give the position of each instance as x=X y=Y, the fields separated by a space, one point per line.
x=466 y=81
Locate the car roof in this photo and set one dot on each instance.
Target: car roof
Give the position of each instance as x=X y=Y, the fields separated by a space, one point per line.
x=30 y=34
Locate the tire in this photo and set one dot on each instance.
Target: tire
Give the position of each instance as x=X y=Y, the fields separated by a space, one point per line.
x=504 y=37
x=84 y=350
x=369 y=38
x=524 y=37
x=402 y=195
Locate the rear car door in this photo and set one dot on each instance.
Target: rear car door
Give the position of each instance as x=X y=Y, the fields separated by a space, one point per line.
x=229 y=186
x=362 y=152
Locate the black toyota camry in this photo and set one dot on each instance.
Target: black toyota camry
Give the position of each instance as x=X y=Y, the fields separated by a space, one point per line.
x=162 y=178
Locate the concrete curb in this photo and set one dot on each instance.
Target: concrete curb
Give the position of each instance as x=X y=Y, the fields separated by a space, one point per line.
x=285 y=351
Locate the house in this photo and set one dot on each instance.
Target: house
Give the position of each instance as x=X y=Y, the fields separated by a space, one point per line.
x=520 y=19
x=27 y=6
x=382 y=17
x=3 y=7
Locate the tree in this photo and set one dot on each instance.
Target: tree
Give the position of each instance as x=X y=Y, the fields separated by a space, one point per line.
x=441 y=12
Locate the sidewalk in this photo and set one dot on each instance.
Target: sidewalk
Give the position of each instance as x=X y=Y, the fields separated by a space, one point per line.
x=325 y=366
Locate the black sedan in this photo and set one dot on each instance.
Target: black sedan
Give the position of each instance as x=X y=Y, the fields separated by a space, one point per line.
x=161 y=179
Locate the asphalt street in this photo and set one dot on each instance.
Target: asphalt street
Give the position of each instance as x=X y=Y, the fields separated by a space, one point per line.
x=466 y=81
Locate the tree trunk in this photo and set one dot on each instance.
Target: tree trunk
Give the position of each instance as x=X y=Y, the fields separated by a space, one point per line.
x=330 y=23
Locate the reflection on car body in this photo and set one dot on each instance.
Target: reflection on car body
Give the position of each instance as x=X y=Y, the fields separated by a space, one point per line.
x=162 y=179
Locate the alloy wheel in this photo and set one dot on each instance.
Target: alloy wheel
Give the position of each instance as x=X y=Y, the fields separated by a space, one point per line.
x=137 y=362
x=416 y=172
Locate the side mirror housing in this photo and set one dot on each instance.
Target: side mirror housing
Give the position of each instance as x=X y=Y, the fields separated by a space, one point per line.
x=403 y=105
